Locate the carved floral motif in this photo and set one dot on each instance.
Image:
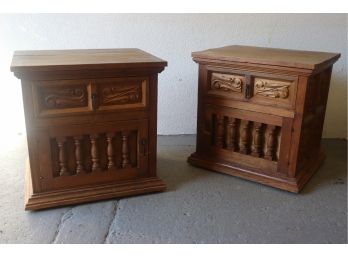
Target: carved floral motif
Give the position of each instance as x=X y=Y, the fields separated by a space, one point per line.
x=121 y=95
x=226 y=82
x=273 y=89
x=64 y=97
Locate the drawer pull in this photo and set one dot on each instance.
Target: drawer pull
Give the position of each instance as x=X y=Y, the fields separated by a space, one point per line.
x=94 y=101
x=143 y=143
x=248 y=88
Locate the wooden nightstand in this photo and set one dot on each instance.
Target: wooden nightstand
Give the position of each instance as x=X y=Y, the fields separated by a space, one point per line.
x=261 y=113
x=91 y=119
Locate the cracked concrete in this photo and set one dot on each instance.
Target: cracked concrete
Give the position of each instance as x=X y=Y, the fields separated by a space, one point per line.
x=199 y=206
x=86 y=223
x=106 y=237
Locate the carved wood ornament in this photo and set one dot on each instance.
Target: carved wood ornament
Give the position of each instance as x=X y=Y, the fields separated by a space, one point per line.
x=273 y=89
x=256 y=149
x=63 y=170
x=110 y=150
x=64 y=98
x=95 y=152
x=122 y=95
x=245 y=137
x=125 y=151
x=226 y=82
x=271 y=144
x=78 y=155
x=219 y=131
x=231 y=134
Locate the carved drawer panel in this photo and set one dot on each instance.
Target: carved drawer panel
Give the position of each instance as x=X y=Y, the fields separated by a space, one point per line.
x=61 y=97
x=277 y=92
x=223 y=84
x=121 y=93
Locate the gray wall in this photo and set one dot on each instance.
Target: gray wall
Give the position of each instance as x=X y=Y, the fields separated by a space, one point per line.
x=173 y=37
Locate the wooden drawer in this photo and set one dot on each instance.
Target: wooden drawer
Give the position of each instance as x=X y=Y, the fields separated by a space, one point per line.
x=229 y=85
x=64 y=97
x=121 y=93
x=278 y=92
x=252 y=88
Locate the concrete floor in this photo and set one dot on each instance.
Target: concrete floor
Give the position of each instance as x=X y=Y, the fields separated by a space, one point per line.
x=199 y=207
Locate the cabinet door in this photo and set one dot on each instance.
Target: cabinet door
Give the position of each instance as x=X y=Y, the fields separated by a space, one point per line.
x=242 y=138
x=74 y=156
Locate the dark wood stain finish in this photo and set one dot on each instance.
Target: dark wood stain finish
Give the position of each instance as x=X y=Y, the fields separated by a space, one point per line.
x=261 y=113
x=91 y=119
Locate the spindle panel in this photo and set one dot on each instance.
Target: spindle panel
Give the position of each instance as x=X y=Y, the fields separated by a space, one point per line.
x=241 y=138
x=84 y=155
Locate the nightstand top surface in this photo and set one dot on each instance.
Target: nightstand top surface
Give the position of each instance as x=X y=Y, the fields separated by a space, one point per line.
x=267 y=56
x=84 y=58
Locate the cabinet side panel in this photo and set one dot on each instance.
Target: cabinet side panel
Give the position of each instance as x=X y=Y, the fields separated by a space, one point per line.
x=297 y=124
x=313 y=118
x=152 y=132
x=31 y=138
x=202 y=82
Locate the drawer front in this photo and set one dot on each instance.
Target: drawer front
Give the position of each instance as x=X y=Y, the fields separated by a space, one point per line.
x=61 y=97
x=226 y=85
x=269 y=91
x=255 y=88
x=73 y=156
x=122 y=93
x=52 y=98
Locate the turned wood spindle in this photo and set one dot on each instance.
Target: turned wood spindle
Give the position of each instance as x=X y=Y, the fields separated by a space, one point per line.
x=232 y=134
x=245 y=137
x=78 y=155
x=95 y=152
x=63 y=171
x=110 y=151
x=219 y=130
x=257 y=147
x=271 y=140
x=125 y=151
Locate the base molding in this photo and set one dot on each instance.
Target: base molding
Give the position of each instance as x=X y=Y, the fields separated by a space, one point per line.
x=38 y=201
x=294 y=185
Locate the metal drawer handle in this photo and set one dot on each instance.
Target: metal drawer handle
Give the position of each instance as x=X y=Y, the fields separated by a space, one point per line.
x=248 y=87
x=143 y=143
x=94 y=101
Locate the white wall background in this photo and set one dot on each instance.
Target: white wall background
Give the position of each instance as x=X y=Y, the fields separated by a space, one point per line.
x=173 y=37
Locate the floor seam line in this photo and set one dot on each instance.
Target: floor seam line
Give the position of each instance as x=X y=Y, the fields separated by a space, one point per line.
x=61 y=222
x=106 y=237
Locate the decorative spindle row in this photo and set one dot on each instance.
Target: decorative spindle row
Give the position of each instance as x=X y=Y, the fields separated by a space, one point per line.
x=94 y=153
x=246 y=137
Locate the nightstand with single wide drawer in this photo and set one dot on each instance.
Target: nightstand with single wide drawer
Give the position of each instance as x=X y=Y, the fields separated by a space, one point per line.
x=91 y=120
x=261 y=113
